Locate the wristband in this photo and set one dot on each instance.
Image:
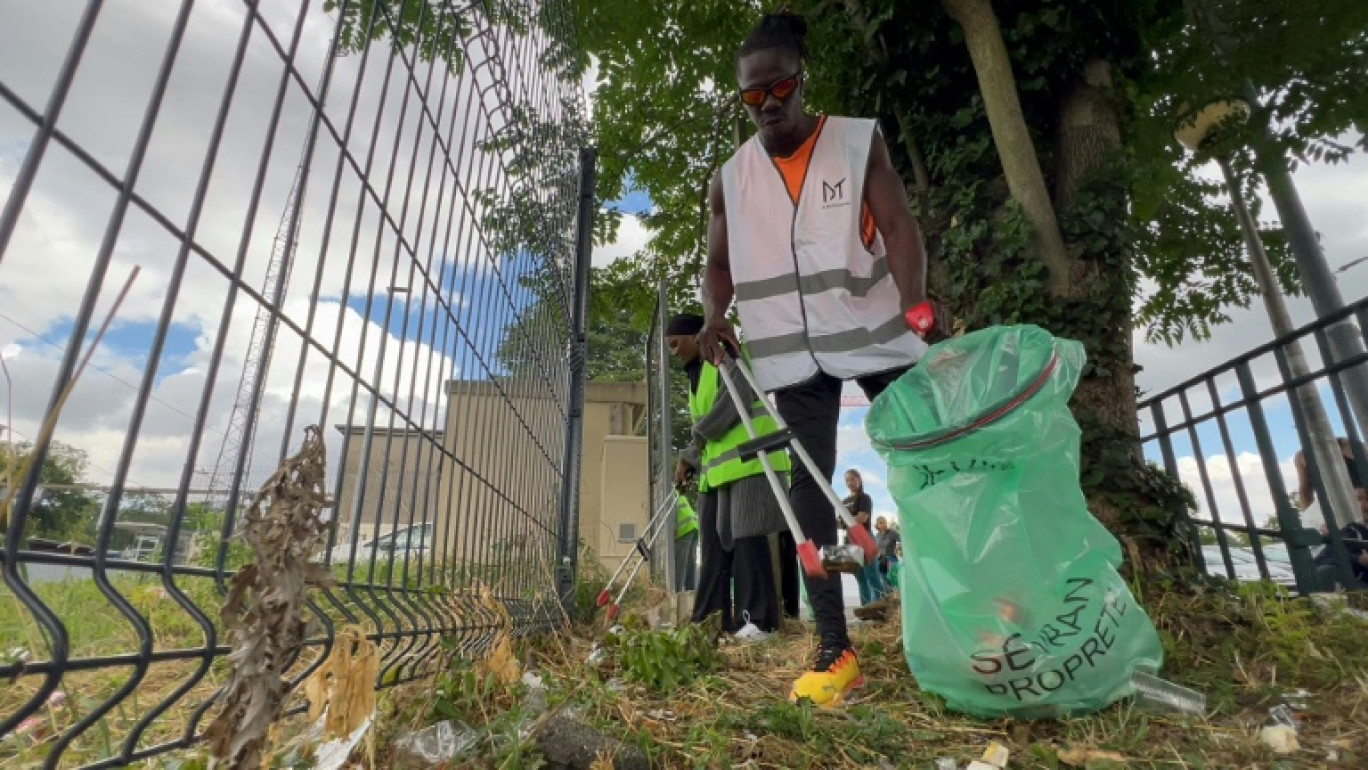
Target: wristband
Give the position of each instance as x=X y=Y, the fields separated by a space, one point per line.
x=920 y=317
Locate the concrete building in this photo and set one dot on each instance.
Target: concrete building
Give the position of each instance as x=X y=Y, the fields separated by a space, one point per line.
x=488 y=484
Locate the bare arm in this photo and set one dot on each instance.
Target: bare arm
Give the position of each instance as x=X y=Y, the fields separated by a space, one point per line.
x=717 y=281
x=1304 y=492
x=902 y=237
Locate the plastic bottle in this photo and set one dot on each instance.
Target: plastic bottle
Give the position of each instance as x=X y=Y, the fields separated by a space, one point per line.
x=1153 y=693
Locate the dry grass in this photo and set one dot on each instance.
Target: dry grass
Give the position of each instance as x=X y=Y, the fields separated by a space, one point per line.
x=1243 y=648
x=96 y=628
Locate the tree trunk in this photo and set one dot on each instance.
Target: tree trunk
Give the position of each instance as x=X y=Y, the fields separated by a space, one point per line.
x=983 y=38
x=1089 y=132
x=1151 y=528
x=1089 y=135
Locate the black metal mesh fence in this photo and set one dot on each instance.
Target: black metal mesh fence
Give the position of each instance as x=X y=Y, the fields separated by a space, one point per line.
x=360 y=215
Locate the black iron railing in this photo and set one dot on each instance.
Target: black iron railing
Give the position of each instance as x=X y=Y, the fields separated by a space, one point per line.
x=1236 y=435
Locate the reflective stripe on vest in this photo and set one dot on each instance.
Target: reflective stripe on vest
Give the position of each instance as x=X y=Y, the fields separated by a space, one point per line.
x=686 y=520
x=720 y=461
x=810 y=295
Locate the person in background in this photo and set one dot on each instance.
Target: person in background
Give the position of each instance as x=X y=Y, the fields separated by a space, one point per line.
x=1355 y=536
x=1306 y=493
x=685 y=545
x=889 y=540
x=738 y=507
x=895 y=567
x=861 y=506
x=1355 y=533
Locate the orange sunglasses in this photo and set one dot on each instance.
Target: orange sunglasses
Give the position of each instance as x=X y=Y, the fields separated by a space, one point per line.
x=779 y=89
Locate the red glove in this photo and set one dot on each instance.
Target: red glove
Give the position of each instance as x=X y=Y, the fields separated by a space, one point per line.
x=920 y=318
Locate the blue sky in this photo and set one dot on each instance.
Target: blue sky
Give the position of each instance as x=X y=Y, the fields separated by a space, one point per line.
x=128 y=341
x=635 y=202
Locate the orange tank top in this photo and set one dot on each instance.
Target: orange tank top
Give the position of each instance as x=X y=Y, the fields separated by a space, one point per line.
x=794 y=170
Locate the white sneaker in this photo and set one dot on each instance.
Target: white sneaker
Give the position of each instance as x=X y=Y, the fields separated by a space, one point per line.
x=750 y=633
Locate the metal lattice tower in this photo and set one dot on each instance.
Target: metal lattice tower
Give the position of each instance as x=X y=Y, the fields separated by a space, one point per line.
x=237 y=439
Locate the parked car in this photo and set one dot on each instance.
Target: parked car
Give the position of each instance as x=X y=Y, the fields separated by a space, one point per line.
x=1247 y=566
x=407 y=543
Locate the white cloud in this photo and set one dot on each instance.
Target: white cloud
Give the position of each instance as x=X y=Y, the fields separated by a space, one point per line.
x=1224 y=490
x=633 y=236
x=394 y=184
x=590 y=82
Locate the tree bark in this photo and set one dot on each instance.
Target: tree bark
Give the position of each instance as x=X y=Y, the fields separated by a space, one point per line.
x=1089 y=134
x=1025 y=181
x=921 y=179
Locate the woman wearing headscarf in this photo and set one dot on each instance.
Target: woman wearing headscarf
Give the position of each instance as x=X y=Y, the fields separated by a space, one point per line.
x=738 y=510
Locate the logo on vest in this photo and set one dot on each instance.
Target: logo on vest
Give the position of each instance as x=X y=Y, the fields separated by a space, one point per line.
x=833 y=195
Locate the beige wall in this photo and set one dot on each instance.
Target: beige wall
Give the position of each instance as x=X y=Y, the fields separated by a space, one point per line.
x=409 y=482
x=624 y=470
x=504 y=490
x=499 y=488
x=612 y=411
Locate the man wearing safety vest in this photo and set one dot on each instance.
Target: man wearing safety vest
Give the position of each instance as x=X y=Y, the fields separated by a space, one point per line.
x=738 y=509
x=685 y=545
x=810 y=232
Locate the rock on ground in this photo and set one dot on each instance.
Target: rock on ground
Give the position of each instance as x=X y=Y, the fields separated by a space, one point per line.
x=568 y=744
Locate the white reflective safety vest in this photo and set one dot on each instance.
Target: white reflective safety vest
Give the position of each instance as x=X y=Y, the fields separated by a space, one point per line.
x=810 y=295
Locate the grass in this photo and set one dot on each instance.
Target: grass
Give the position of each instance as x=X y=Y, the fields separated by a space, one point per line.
x=96 y=628
x=1243 y=646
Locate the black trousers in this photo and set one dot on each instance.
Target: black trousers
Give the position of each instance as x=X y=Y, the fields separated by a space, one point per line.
x=812 y=410
x=748 y=565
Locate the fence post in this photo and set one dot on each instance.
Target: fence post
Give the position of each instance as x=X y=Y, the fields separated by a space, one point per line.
x=1298 y=538
x=666 y=548
x=567 y=553
x=1161 y=430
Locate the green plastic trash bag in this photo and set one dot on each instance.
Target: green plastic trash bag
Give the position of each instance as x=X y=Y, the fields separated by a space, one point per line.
x=1011 y=603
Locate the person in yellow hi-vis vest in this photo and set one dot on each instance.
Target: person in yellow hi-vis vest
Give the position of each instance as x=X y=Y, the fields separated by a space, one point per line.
x=685 y=545
x=738 y=511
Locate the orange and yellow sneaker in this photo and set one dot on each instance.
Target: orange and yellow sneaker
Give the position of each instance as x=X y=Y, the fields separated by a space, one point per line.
x=835 y=674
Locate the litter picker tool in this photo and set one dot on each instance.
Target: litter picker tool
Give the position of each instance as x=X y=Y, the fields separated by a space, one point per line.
x=760 y=447
x=639 y=555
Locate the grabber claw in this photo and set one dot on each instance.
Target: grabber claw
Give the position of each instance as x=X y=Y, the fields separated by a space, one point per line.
x=858 y=533
x=640 y=553
x=612 y=613
x=807 y=550
x=920 y=318
x=811 y=560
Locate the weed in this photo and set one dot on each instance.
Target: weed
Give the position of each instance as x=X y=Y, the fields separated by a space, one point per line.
x=666 y=660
